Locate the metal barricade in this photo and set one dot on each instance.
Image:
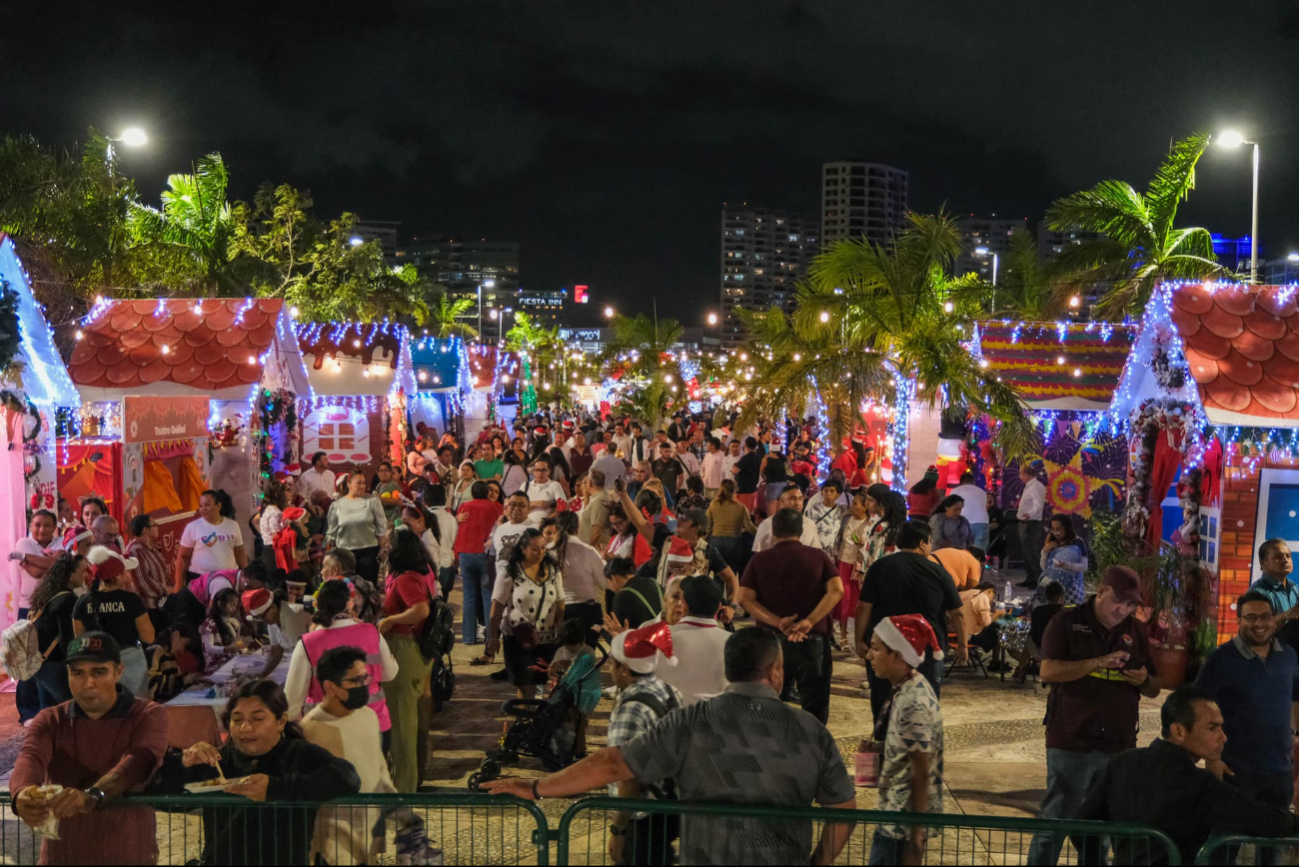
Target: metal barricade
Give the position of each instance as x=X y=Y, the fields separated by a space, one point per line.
x=736 y=833
x=222 y=829
x=1238 y=849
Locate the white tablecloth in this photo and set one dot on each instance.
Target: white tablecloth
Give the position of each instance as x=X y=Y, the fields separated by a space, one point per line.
x=211 y=695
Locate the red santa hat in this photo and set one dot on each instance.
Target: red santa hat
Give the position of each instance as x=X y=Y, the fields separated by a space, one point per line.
x=568 y=424
x=641 y=649
x=257 y=602
x=293 y=513
x=910 y=635
x=293 y=469
x=74 y=536
x=540 y=431
x=680 y=554
x=108 y=564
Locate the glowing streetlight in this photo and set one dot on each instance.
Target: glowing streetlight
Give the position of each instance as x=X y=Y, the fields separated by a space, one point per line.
x=712 y=318
x=825 y=315
x=133 y=137
x=356 y=240
x=1293 y=257
x=1233 y=139
x=608 y=313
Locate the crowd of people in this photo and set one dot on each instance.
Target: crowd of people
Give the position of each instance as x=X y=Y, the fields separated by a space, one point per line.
x=566 y=529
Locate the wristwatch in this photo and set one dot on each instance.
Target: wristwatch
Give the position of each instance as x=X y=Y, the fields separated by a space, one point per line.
x=95 y=796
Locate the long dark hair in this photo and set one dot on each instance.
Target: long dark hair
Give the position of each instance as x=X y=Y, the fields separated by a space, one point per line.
x=946 y=503
x=556 y=457
x=186 y=630
x=56 y=580
x=408 y=554
x=269 y=693
x=331 y=600
x=214 y=611
x=430 y=522
x=225 y=505
x=895 y=514
x=1067 y=520
x=514 y=559
x=924 y=486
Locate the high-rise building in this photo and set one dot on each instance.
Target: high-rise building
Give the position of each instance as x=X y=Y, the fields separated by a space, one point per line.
x=859 y=198
x=544 y=306
x=763 y=253
x=470 y=269
x=990 y=234
x=1275 y=272
x=383 y=231
x=1051 y=244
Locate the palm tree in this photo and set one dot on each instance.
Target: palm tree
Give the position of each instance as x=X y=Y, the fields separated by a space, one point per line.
x=1139 y=247
x=876 y=319
x=641 y=348
x=444 y=317
x=530 y=339
x=194 y=228
x=1028 y=289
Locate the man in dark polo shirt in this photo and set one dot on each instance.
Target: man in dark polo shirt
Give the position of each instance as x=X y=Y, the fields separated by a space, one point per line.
x=792 y=588
x=1094 y=657
x=103 y=743
x=908 y=582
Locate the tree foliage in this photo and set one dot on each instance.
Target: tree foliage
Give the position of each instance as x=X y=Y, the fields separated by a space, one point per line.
x=1139 y=245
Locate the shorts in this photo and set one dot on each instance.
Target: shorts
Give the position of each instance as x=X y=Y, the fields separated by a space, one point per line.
x=519 y=662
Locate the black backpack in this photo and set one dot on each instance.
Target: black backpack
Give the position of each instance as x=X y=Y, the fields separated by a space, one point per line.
x=437 y=636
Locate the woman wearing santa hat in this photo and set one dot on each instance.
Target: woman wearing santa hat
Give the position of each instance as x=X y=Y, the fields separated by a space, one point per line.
x=911 y=729
x=110 y=608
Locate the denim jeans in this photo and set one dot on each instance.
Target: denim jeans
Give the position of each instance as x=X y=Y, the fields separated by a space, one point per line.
x=52 y=683
x=478 y=573
x=980 y=536
x=1068 y=776
x=886 y=851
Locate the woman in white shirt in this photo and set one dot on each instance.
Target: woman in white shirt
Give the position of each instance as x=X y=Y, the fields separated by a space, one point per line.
x=212 y=541
x=357 y=523
x=461 y=488
x=583 y=570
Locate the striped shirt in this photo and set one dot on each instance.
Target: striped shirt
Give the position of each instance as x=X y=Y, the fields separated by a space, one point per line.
x=153 y=577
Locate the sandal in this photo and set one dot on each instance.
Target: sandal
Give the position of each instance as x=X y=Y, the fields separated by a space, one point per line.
x=485 y=659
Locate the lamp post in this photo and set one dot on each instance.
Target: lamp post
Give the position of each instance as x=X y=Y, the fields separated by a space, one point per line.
x=131 y=137
x=1232 y=139
x=490 y=284
x=984 y=251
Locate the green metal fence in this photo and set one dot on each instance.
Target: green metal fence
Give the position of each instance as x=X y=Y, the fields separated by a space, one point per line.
x=746 y=834
x=1237 y=849
x=221 y=829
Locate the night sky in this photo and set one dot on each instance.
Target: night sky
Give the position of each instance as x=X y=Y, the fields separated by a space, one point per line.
x=605 y=136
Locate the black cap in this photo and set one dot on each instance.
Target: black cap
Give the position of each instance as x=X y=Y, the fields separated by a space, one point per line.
x=94 y=647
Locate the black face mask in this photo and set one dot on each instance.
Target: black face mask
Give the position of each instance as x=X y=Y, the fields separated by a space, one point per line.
x=357 y=697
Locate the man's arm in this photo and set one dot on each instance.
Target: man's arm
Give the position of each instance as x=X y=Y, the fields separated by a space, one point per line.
x=638 y=520
x=599 y=769
x=834 y=836
x=956 y=623
x=830 y=601
x=918 y=802
x=761 y=613
x=860 y=618
x=143 y=758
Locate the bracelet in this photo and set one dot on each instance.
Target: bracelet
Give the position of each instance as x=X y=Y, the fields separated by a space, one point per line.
x=536 y=796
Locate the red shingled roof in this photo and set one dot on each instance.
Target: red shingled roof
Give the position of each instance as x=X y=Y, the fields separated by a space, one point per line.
x=135 y=344
x=1242 y=348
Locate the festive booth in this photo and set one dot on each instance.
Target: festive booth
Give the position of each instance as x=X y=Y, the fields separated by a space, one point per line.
x=495 y=387
x=361 y=376
x=1210 y=397
x=143 y=367
x=1066 y=373
x=35 y=392
x=445 y=384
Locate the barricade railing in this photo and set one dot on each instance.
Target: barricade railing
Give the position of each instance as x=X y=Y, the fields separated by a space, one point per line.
x=1239 y=849
x=719 y=833
x=224 y=829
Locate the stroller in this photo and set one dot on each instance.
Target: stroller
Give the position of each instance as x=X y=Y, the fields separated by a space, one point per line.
x=538 y=729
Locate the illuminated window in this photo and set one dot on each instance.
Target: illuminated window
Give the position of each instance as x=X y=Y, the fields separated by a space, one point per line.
x=337 y=436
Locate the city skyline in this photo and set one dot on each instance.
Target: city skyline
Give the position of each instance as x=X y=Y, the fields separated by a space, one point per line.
x=604 y=142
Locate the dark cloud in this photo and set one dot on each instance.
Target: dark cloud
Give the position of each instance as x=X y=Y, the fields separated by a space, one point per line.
x=604 y=136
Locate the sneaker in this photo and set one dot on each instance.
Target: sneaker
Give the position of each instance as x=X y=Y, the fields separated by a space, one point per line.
x=482 y=634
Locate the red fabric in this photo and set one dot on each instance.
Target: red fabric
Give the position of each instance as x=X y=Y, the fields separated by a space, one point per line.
x=472 y=536
x=1163 y=470
x=1211 y=480
x=921 y=505
x=405 y=592
x=851 y=593
x=641 y=551
x=284 y=544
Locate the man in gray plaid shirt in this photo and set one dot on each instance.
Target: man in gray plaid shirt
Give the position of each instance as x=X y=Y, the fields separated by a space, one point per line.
x=743 y=746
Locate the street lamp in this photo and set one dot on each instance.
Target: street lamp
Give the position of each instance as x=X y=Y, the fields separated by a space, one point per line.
x=608 y=313
x=490 y=284
x=712 y=318
x=1232 y=139
x=131 y=137
x=984 y=251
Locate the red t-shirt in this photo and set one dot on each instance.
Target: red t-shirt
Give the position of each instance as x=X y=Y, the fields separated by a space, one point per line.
x=405 y=592
x=472 y=536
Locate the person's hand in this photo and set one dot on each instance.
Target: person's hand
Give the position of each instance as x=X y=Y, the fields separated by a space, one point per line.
x=1113 y=660
x=962 y=656
x=1291 y=614
x=32 y=808
x=799 y=630
x=1135 y=676
x=201 y=754
x=509 y=786
x=69 y=803
x=16 y=555
x=462 y=517
x=726 y=613
x=252 y=788
x=616 y=845
x=1218 y=768
x=862 y=648
x=384 y=626
x=613 y=625
x=784 y=623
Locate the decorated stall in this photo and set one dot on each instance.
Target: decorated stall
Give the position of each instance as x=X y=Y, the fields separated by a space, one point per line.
x=35 y=393
x=1210 y=397
x=362 y=377
x=237 y=354
x=445 y=385
x=1067 y=374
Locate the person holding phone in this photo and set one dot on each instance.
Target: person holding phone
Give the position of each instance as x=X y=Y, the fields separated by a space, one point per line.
x=1095 y=657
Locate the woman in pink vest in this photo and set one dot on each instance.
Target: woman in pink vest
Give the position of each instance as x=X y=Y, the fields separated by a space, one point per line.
x=337 y=628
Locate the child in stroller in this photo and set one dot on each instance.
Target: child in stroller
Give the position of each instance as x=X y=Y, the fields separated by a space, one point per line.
x=551 y=729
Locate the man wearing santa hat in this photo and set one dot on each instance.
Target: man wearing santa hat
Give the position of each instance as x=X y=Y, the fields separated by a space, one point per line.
x=643 y=699
x=911 y=728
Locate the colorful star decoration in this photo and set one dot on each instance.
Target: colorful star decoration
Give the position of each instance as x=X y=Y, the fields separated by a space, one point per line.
x=1070 y=490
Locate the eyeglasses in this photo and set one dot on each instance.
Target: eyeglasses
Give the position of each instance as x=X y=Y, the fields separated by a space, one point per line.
x=1254 y=618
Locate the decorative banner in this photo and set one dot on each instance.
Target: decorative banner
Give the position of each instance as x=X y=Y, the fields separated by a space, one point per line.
x=146 y=418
